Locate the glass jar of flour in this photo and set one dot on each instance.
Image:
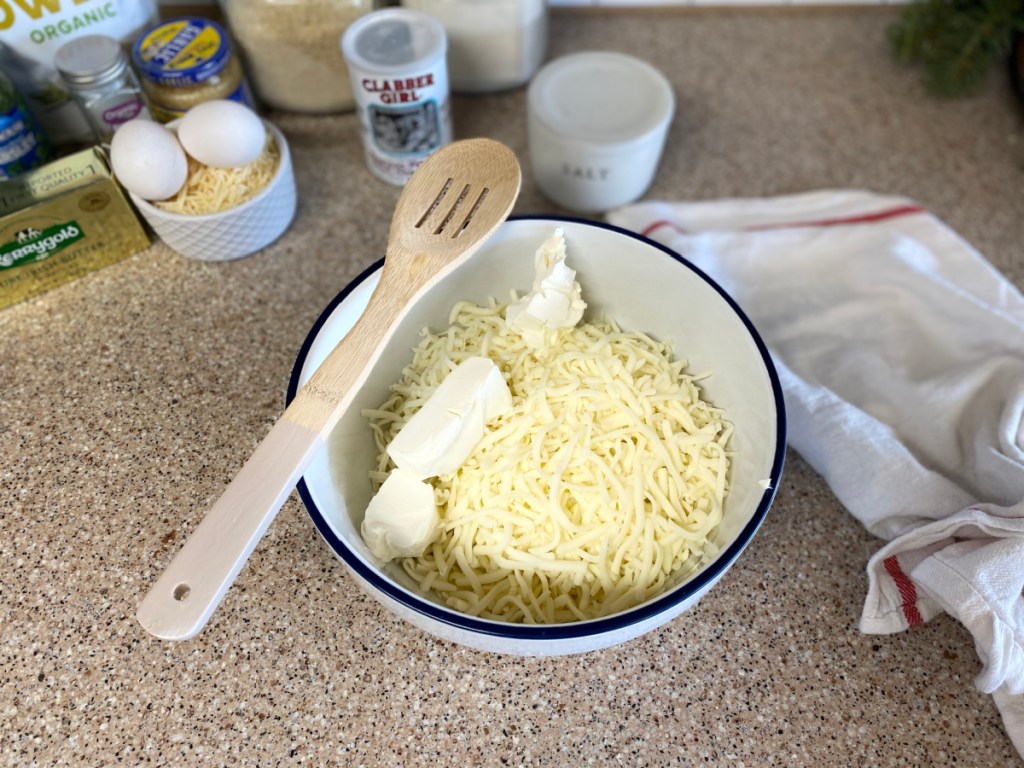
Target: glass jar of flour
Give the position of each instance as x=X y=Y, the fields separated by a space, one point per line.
x=493 y=45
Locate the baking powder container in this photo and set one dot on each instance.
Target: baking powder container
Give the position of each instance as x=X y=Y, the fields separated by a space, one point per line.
x=596 y=127
x=396 y=59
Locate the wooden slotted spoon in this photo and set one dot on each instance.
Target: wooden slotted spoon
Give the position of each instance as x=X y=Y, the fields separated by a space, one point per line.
x=453 y=202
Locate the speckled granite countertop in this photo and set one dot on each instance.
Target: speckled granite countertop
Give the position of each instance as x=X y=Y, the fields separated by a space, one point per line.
x=129 y=398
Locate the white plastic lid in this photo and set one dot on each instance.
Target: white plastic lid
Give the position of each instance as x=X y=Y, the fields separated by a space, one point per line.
x=393 y=41
x=601 y=97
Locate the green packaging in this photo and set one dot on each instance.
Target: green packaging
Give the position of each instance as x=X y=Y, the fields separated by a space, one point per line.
x=61 y=221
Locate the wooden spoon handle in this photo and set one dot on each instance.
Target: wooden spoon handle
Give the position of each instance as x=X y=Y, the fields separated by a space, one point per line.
x=189 y=590
x=329 y=391
x=185 y=596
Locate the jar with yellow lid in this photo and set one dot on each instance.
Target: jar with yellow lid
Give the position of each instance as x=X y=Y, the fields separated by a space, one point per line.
x=291 y=50
x=186 y=61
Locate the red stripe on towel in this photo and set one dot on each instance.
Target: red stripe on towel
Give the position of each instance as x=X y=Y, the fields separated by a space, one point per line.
x=646 y=231
x=908 y=594
x=864 y=218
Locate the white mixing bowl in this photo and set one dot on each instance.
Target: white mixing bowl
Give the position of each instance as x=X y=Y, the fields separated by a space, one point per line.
x=644 y=287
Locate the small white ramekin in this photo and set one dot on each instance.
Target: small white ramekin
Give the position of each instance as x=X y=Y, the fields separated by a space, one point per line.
x=238 y=231
x=596 y=127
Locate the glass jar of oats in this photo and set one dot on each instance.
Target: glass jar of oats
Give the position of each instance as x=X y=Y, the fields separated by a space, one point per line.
x=292 y=53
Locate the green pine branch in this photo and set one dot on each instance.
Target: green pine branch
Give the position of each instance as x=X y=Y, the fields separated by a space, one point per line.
x=956 y=42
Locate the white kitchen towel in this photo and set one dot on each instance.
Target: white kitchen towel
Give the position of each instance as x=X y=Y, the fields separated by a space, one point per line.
x=901 y=354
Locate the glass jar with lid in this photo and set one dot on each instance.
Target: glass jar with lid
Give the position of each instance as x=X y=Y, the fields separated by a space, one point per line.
x=292 y=53
x=96 y=71
x=186 y=61
x=493 y=45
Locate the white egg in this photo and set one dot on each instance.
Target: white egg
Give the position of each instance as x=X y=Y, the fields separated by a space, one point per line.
x=222 y=134
x=148 y=160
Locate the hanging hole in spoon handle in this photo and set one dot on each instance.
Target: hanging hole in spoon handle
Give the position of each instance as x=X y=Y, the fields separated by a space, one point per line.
x=183 y=599
x=427 y=240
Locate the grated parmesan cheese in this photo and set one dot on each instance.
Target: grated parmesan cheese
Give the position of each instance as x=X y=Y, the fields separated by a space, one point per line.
x=590 y=496
x=210 y=190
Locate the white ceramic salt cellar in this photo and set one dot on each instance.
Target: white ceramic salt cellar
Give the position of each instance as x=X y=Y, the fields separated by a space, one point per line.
x=596 y=128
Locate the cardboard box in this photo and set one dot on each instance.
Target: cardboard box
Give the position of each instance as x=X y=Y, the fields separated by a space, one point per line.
x=62 y=221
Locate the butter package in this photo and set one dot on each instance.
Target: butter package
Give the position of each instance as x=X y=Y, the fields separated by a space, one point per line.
x=61 y=221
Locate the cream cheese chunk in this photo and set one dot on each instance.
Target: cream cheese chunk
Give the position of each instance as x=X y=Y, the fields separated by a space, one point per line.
x=402 y=518
x=443 y=432
x=554 y=302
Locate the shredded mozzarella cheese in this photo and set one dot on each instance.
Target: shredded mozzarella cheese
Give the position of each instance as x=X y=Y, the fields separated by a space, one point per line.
x=591 y=496
x=209 y=190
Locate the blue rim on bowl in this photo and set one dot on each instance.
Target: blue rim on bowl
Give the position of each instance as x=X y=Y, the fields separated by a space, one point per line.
x=648 y=610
